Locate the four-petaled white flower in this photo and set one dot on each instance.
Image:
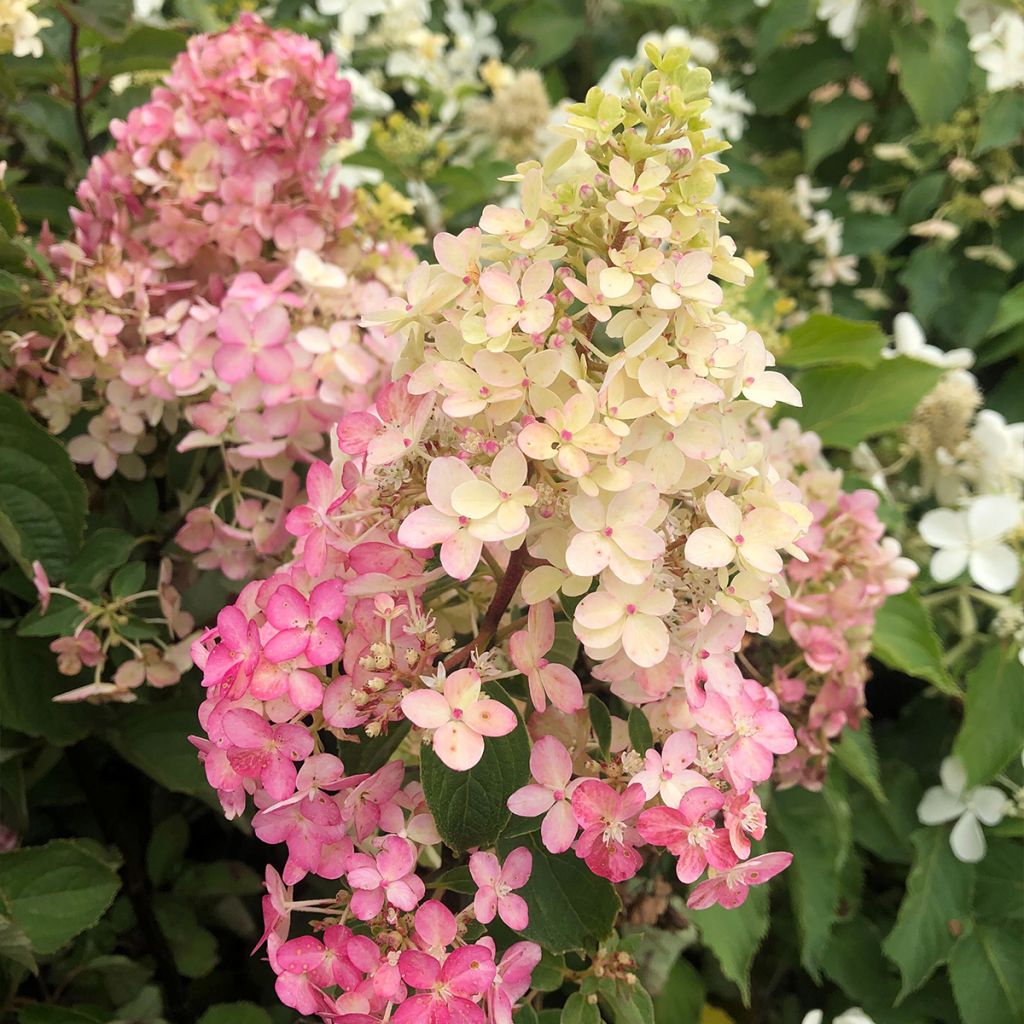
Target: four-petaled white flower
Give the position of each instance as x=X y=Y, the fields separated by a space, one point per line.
x=970 y=807
x=972 y=538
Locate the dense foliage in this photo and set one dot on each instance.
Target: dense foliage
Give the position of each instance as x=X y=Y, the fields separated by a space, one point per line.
x=532 y=491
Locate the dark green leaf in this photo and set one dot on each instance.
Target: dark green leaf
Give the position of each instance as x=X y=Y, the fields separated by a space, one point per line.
x=54 y=892
x=108 y=18
x=920 y=51
x=999 y=883
x=987 y=972
x=146 y=48
x=905 y=639
x=831 y=127
x=937 y=904
x=1001 y=123
x=601 y=720
x=822 y=340
x=235 y=1013
x=102 y=552
x=993 y=715
x=29 y=681
x=734 y=936
x=816 y=828
x=15 y=945
x=856 y=752
x=42 y=498
x=578 y=1011
x=624 y=1004
x=570 y=907
x=154 y=739
x=640 y=736
x=682 y=998
x=848 y=404
x=469 y=807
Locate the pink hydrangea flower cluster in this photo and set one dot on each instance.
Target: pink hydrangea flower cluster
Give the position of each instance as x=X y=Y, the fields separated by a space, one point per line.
x=850 y=569
x=541 y=473
x=215 y=282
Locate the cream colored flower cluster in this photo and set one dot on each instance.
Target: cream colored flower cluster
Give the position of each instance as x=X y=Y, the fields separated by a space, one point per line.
x=601 y=400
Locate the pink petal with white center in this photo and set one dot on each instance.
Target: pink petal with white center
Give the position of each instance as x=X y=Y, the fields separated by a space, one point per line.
x=530 y=801
x=460 y=554
x=427 y=709
x=563 y=687
x=517 y=868
x=426 y=526
x=458 y=746
x=490 y=718
x=512 y=909
x=485 y=869
x=233 y=363
x=559 y=828
x=499 y=287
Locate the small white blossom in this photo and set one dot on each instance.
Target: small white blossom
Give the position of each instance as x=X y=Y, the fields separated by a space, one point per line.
x=908 y=339
x=970 y=808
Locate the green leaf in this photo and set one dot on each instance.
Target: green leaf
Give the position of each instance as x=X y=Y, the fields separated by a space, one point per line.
x=370 y=753
x=854 y=961
x=926 y=277
x=848 y=404
x=682 y=998
x=102 y=552
x=193 y=946
x=779 y=84
x=734 y=936
x=48 y=1014
x=624 y=1004
x=571 y=908
x=54 y=892
x=29 y=681
x=165 y=850
x=640 y=736
x=941 y=12
x=868 y=234
x=987 y=973
x=15 y=945
x=920 y=51
x=128 y=580
x=469 y=807
x=1010 y=312
x=937 y=902
x=1001 y=123
x=145 y=48
x=905 y=639
x=823 y=340
x=235 y=1013
x=831 y=127
x=108 y=18
x=601 y=720
x=999 y=884
x=42 y=498
x=856 y=752
x=993 y=715
x=816 y=827
x=153 y=738
x=578 y=1011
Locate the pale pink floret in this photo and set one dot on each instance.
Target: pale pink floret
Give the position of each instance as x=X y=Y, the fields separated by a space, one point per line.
x=550 y=794
x=616 y=536
x=439 y=523
x=389 y=877
x=547 y=680
x=689 y=833
x=459 y=718
x=744 y=820
x=521 y=303
x=668 y=774
x=312 y=520
x=254 y=345
x=730 y=888
x=496 y=883
x=761 y=731
x=609 y=838
x=449 y=989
